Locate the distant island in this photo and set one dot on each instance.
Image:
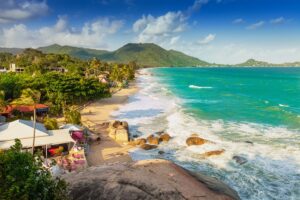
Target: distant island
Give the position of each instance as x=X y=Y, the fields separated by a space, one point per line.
x=144 y=54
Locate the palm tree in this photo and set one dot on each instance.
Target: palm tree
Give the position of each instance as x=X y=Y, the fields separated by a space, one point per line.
x=31 y=98
x=3 y=103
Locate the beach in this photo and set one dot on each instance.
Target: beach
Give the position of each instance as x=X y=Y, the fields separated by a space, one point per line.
x=99 y=112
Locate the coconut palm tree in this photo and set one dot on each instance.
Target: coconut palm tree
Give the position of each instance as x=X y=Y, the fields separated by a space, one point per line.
x=31 y=98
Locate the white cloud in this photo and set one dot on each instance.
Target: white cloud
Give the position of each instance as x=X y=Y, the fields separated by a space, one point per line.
x=92 y=34
x=256 y=25
x=174 y=40
x=151 y=29
x=238 y=21
x=278 y=20
x=196 y=6
x=208 y=39
x=15 y=10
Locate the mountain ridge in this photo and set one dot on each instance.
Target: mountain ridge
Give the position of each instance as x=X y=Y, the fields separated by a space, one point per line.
x=145 y=54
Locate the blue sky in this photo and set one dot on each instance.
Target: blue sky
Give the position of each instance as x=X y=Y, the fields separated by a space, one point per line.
x=221 y=31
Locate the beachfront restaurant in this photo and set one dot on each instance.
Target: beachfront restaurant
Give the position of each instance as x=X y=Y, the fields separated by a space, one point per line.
x=45 y=140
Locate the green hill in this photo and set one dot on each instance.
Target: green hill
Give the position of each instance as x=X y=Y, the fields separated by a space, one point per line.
x=78 y=52
x=11 y=50
x=256 y=63
x=147 y=54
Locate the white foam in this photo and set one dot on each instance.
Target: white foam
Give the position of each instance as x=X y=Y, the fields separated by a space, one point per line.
x=199 y=87
x=284 y=105
x=273 y=155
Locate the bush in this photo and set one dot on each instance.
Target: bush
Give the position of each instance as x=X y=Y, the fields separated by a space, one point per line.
x=72 y=116
x=50 y=123
x=23 y=176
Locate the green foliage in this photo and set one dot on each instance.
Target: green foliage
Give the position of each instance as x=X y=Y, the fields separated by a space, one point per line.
x=72 y=116
x=23 y=177
x=50 y=123
x=122 y=73
x=28 y=97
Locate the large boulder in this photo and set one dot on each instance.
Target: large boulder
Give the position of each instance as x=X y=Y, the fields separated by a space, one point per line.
x=122 y=135
x=165 y=137
x=153 y=140
x=213 y=153
x=147 y=180
x=137 y=142
x=195 y=140
x=118 y=131
x=148 y=146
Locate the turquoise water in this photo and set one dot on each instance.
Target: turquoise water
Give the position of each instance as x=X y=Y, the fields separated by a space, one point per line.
x=259 y=95
x=253 y=113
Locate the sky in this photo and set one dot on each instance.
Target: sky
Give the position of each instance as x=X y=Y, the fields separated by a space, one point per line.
x=219 y=31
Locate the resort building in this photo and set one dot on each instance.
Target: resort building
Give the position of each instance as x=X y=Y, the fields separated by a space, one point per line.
x=23 y=130
x=14 y=68
x=3 y=70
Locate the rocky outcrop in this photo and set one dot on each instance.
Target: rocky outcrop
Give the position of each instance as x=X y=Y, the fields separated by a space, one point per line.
x=118 y=131
x=165 y=137
x=138 y=141
x=148 y=146
x=240 y=160
x=213 y=153
x=147 y=180
x=195 y=140
x=153 y=140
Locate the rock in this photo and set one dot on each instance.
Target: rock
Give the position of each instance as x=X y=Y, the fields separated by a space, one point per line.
x=161 y=152
x=148 y=146
x=147 y=180
x=118 y=131
x=153 y=140
x=195 y=141
x=165 y=137
x=240 y=160
x=194 y=135
x=137 y=142
x=213 y=153
x=122 y=135
x=140 y=141
x=249 y=142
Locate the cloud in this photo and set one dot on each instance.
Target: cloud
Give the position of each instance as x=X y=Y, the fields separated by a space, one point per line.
x=208 y=39
x=279 y=20
x=91 y=34
x=238 y=21
x=174 y=40
x=151 y=29
x=196 y=6
x=16 y=10
x=256 y=25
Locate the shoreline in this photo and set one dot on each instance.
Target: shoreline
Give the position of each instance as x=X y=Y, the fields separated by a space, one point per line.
x=108 y=151
x=112 y=154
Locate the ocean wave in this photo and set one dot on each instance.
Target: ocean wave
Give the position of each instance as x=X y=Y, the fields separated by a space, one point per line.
x=199 y=87
x=284 y=105
x=271 y=152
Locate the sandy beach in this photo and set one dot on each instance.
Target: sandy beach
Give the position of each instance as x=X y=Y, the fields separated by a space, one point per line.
x=94 y=115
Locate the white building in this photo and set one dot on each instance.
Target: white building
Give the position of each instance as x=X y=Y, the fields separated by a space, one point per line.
x=23 y=130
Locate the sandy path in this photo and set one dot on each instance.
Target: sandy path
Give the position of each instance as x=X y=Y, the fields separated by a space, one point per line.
x=93 y=115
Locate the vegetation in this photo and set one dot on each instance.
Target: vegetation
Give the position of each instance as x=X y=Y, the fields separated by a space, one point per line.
x=23 y=176
x=50 y=123
x=72 y=116
x=147 y=54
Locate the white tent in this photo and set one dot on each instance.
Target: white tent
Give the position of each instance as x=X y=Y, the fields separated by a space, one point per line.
x=23 y=130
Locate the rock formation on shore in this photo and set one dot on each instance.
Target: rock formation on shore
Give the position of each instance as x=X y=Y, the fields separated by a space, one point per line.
x=147 y=180
x=118 y=131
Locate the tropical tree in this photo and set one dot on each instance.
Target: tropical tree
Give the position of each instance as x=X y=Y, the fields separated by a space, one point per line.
x=2 y=100
x=31 y=98
x=23 y=176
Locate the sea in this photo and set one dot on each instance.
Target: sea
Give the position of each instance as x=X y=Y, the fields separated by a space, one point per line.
x=251 y=113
